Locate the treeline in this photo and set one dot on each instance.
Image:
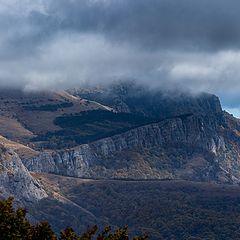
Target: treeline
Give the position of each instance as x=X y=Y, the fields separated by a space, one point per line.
x=15 y=226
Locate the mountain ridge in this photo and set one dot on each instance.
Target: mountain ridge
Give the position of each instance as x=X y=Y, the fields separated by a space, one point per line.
x=180 y=137
x=79 y=161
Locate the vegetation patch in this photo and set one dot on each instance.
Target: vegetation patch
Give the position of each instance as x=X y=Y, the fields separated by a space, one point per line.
x=48 y=107
x=90 y=126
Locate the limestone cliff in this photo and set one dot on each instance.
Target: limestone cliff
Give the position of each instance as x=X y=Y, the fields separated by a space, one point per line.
x=192 y=147
x=15 y=179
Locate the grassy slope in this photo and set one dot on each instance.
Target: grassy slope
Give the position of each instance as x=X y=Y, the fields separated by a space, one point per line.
x=22 y=150
x=25 y=115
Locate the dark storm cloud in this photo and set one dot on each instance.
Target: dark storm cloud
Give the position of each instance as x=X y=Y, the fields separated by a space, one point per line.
x=153 y=23
x=188 y=45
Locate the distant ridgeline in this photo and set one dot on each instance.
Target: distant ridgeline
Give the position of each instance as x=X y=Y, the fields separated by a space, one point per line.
x=133 y=106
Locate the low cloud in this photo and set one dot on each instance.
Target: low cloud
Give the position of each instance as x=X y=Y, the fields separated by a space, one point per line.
x=185 y=45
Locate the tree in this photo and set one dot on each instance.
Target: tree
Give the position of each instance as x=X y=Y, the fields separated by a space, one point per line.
x=68 y=234
x=43 y=231
x=15 y=226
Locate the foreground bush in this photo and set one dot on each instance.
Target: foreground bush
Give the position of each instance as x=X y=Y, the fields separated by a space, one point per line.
x=15 y=226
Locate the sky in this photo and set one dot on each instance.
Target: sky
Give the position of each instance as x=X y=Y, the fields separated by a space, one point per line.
x=168 y=44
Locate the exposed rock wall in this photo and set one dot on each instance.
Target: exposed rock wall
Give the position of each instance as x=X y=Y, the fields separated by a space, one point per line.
x=15 y=179
x=196 y=139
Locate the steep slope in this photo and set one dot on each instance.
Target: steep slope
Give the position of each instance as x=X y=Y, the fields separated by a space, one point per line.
x=24 y=152
x=15 y=179
x=42 y=202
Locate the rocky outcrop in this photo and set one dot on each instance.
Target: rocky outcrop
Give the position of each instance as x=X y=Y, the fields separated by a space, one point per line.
x=192 y=147
x=15 y=179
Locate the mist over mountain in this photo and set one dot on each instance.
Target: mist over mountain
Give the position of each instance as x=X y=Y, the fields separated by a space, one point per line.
x=171 y=46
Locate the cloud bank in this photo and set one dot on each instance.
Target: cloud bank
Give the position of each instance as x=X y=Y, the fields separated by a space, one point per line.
x=171 y=44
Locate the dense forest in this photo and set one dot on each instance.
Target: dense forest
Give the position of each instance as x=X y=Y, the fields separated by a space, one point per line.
x=165 y=210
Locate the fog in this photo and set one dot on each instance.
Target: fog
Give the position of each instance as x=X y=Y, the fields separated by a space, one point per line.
x=171 y=45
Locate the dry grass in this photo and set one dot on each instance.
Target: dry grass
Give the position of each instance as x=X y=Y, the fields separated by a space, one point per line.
x=13 y=129
x=23 y=151
x=20 y=124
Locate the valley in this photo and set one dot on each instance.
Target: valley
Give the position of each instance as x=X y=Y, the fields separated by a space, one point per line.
x=163 y=209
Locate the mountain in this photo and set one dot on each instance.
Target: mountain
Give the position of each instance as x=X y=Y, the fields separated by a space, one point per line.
x=64 y=153
x=155 y=136
x=130 y=97
x=84 y=133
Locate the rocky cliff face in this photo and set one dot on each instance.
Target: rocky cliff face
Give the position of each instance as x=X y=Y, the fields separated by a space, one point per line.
x=15 y=179
x=192 y=147
x=189 y=137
